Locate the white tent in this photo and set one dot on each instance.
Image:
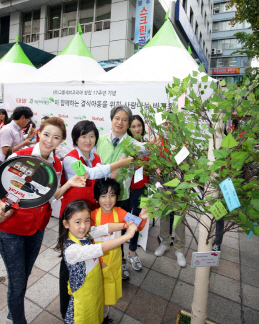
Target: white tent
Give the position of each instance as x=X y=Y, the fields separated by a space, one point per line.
x=163 y=58
x=15 y=65
x=74 y=64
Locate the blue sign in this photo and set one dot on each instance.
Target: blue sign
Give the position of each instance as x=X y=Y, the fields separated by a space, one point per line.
x=229 y=193
x=143 y=24
x=186 y=28
x=132 y=218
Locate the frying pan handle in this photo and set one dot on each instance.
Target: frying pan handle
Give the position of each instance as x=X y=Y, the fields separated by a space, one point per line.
x=7 y=207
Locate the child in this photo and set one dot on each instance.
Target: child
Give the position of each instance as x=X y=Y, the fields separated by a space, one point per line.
x=81 y=256
x=106 y=193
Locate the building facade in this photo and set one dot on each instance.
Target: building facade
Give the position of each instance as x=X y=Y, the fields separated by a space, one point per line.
x=223 y=64
x=107 y=25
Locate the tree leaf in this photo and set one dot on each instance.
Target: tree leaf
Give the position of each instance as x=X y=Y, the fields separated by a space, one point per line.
x=255 y=204
x=243 y=218
x=172 y=183
x=229 y=141
x=220 y=154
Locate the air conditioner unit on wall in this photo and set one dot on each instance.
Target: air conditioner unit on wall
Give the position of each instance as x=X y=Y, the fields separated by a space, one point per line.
x=213 y=51
x=219 y=51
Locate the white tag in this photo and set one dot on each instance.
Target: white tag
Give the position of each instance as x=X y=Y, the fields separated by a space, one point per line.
x=158 y=118
x=205 y=259
x=180 y=156
x=138 y=176
x=181 y=102
x=158 y=185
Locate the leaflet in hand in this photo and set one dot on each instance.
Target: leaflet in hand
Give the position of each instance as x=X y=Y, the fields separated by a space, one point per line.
x=132 y=218
x=79 y=168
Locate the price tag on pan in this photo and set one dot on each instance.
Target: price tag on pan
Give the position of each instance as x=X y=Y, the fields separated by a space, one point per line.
x=27 y=180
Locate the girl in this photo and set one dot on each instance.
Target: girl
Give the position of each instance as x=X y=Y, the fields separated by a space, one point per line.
x=85 y=136
x=21 y=230
x=81 y=256
x=3 y=117
x=137 y=131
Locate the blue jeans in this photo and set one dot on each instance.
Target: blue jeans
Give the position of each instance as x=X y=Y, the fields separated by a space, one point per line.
x=219 y=227
x=19 y=253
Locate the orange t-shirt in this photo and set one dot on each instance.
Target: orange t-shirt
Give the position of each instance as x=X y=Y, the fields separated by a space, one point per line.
x=108 y=218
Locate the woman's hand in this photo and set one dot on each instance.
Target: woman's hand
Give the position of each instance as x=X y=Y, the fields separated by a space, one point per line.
x=155 y=140
x=3 y=215
x=78 y=181
x=144 y=214
x=126 y=160
x=127 y=225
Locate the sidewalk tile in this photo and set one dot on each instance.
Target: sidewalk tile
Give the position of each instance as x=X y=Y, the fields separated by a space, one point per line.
x=232 y=234
x=187 y=274
x=154 y=231
x=249 y=276
x=147 y=258
x=31 y=310
x=171 y=253
x=55 y=228
x=3 y=272
x=126 y=319
x=167 y=266
x=128 y=292
x=3 y=314
x=223 y=311
x=53 y=221
x=43 y=248
x=35 y=275
x=47 y=318
x=50 y=238
x=44 y=291
x=244 y=238
x=248 y=260
x=228 y=269
x=115 y=315
x=147 y=307
x=54 y=308
x=250 y=296
x=3 y=296
x=158 y=284
x=47 y=260
x=152 y=243
x=250 y=316
x=183 y=295
x=170 y=314
x=55 y=271
x=225 y=287
x=189 y=256
x=136 y=277
x=249 y=247
x=229 y=254
x=231 y=242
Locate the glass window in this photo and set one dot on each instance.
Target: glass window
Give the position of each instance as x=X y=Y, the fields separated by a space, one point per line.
x=69 y=14
x=55 y=17
x=223 y=7
x=86 y=12
x=213 y=63
x=215 y=27
x=216 y=8
x=247 y=25
x=245 y=62
x=214 y=44
x=27 y=23
x=36 y=22
x=103 y=9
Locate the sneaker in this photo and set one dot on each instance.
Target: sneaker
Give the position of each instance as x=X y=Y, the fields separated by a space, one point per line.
x=180 y=259
x=216 y=247
x=124 y=270
x=161 y=249
x=107 y=320
x=160 y=239
x=135 y=261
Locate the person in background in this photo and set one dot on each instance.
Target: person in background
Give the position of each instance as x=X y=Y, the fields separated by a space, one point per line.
x=137 y=131
x=22 y=229
x=37 y=131
x=3 y=117
x=11 y=136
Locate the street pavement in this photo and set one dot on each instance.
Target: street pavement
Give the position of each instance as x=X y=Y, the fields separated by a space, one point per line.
x=155 y=294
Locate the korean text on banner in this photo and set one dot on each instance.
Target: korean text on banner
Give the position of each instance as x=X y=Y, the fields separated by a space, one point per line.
x=143 y=24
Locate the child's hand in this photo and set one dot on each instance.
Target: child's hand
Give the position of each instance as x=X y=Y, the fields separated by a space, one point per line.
x=144 y=214
x=77 y=181
x=132 y=229
x=127 y=225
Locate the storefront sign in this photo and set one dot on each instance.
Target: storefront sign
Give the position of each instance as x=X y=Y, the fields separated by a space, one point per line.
x=143 y=24
x=232 y=70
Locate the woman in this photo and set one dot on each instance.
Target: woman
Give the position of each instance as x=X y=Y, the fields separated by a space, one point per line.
x=21 y=230
x=3 y=117
x=137 y=131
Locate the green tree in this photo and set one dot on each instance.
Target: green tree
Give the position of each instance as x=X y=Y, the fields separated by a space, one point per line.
x=249 y=11
x=192 y=187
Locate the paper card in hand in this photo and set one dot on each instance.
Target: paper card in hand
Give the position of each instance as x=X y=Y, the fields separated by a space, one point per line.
x=79 y=168
x=132 y=218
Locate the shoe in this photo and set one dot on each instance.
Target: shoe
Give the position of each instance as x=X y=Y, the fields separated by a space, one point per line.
x=135 y=261
x=8 y=321
x=107 y=320
x=180 y=259
x=161 y=249
x=124 y=270
x=216 y=247
x=160 y=239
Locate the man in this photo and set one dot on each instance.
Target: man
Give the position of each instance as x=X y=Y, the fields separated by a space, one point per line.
x=11 y=136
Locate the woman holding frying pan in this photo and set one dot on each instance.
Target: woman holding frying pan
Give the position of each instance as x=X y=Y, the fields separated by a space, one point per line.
x=21 y=230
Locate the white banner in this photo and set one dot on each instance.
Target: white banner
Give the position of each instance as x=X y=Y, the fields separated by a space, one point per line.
x=75 y=102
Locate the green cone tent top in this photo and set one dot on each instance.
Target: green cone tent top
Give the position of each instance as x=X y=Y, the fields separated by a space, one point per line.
x=74 y=64
x=163 y=58
x=15 y=65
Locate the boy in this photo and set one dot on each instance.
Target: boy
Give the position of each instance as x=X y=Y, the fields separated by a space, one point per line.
x=106 y=193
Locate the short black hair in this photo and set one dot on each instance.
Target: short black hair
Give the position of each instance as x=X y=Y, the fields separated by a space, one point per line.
x=142 y=123
x=22 y=111
x=45 y=117
x=102 y=186
x=84 y=127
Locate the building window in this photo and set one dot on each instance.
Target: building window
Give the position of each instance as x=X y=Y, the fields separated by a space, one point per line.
x=222 y=7
x=31 y=26
x=200 y=40
x=184 y=4
x=191 y=16
x=213 y=63
x=93 y=15
x=196 y=29
x=245 y=62
x=202 y=7
x=230 y=43
x=205 y=18
x=225 y=25
x=224 y=62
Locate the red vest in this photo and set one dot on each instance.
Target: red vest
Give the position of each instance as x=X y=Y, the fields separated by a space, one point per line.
x=86 y=193
x=26 y=221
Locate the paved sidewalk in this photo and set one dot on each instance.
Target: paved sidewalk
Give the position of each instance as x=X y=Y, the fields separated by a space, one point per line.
x=155 y=294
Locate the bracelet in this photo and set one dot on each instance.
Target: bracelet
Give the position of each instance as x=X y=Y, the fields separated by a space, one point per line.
x=124 y=225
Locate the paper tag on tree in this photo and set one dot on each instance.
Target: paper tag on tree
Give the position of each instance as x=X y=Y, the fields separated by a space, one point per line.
x=138 y=175
x=229 y=193
x=181 y=155
x=181 y=102
x=218 y=210
x=159 y=118
x=79 y=168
